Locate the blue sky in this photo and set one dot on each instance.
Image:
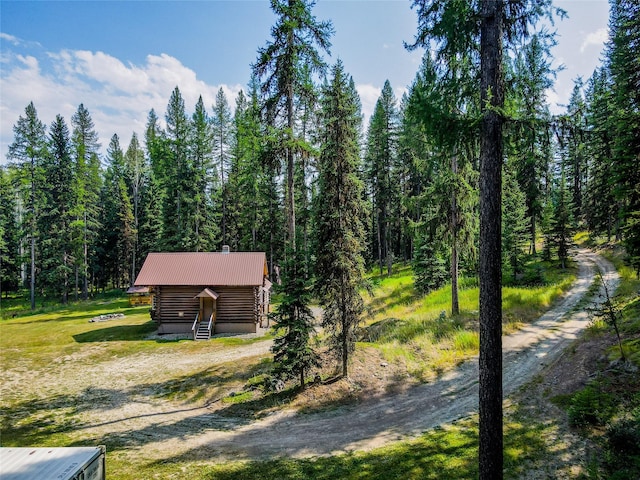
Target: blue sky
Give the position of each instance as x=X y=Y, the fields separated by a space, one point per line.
x=122 y=58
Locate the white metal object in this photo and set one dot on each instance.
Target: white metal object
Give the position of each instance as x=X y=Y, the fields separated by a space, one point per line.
x=61 y=463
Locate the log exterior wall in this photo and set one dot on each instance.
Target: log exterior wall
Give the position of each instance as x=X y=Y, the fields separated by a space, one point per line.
x=176 y=309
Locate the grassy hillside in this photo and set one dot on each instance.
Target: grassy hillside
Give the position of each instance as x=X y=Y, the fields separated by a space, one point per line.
x=419 y=331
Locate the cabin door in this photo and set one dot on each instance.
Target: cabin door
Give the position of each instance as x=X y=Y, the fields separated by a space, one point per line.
x=208 y=309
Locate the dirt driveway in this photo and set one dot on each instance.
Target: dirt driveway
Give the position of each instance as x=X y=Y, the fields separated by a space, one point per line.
x=164 y=430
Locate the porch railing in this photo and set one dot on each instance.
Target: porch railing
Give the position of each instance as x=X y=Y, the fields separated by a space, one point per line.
x=195 y=324
x=210 y=324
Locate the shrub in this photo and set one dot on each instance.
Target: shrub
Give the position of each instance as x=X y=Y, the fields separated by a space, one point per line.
x=590 y=406
x=624 y=435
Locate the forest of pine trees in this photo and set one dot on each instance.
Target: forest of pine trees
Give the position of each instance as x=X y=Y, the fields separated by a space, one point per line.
x=257 y=176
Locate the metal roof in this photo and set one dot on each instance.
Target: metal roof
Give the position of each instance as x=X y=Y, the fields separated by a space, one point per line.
x=134 y=290
x=207 y=293
x=27 y=463
x=203 y=268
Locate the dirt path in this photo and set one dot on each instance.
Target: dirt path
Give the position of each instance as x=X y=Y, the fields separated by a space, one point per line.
x=389 y=418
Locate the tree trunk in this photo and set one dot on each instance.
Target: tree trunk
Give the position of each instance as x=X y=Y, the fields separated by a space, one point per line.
x=85 y=263
x=490 y=362
x=455 y=304
x=33 y=238
x=32 y=286
x=379 y=233
x=291 y=212
x=533 y=234
x=345 y=349
x=65 y=280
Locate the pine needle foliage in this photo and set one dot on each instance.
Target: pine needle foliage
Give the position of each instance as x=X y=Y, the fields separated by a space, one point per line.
x=294 y=356
x=340 y=265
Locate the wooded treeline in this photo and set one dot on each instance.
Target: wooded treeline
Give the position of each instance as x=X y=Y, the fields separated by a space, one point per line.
x=73 y=222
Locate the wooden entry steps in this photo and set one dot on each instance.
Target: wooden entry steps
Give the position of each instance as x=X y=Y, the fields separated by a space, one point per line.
x=202 y=332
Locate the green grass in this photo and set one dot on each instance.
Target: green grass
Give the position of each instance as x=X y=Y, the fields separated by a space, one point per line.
x=36 y=340
x=420 y=332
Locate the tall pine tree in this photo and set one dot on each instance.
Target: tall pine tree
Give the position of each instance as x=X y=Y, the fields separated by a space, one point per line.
x=57 y=190
x=86 y=191
x=292 y=49
x=339 y=215
x=381 y=159
x=29 y=149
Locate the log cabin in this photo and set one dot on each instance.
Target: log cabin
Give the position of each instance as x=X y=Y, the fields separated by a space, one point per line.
x=203 y=293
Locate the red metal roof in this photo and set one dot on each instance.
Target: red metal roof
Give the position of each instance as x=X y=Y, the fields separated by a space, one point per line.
x=203 y=268
x=207 y=293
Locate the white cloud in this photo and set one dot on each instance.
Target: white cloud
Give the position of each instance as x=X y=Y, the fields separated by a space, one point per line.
x=119 y=96
x=597 y=39
x=369 y=95
x=10 y=38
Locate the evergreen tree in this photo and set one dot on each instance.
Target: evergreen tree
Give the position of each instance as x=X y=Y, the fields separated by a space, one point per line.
x=150 y=216
x=442 y=102
x=474 y=32
x=86 y=191
x=295 y=36
x=126 y=235
x=601 y=205
x=266 y=210
x=57 y=190
x=624 y=64
x=222 y=142
x=429 y=264
x=339 y=215
x=176 y=177
x=514 y=226
x=9 y=235
x=430 y=255
x=204 y=232
x=154 y=193
x=304 y=168
x=136 y=171
x=249 y=179
x=113 y=266
x=573 y=145
x=293 y=354
x=381 y=160
x=561 y=223
x=529 y=134
x=29 y=149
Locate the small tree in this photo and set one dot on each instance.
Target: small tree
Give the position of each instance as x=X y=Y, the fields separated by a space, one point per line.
x=631 y=241
x=514 y=225
x=609 y=313
x=293 y=354
x=429 y=265
x=561 y=223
